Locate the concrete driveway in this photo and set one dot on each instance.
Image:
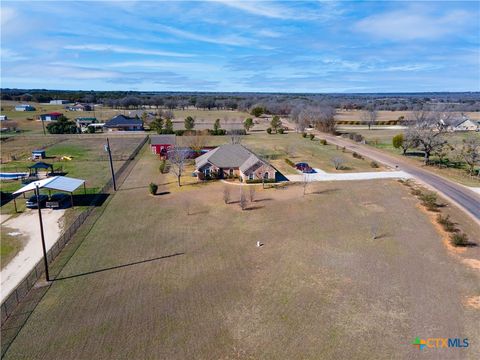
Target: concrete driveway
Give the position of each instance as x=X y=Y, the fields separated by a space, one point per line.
x=321 y=175
x=27 y=225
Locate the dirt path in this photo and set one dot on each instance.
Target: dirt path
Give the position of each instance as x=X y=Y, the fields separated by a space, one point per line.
x=28 y=226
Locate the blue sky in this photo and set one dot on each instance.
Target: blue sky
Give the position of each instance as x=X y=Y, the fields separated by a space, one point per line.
x=274 y=46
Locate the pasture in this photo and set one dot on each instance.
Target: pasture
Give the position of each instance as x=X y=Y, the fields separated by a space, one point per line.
x=178 y=276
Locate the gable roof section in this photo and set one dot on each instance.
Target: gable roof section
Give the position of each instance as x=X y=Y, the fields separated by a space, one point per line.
x=227 y=156
x=60 y=183
x=162 y=139
x=121 y=120
x=250 y=162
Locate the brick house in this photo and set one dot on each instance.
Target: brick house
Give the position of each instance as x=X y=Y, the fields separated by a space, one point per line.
x=233 y=160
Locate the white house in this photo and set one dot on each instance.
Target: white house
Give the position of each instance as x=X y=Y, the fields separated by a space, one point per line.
x=464 y=124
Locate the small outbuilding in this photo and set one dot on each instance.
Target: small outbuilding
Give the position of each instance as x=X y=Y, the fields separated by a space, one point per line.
x=24 y=107
x=160 y=144
x=33 y=169
x=38 y=154
x=54 y=116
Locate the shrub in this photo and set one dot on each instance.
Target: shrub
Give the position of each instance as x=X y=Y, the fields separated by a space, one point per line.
x=179 y=132
x=304 y=135
x=323 y=141
x=152 y=188
x=397 y=141
x=289 y=162
x=459 y=239
x=374 y=165
x=259 y=181
x=429 y=200
x=311 y=136
x=357 y=155
x=269 y=130
x=162 y=166
x=357 y=137
x=416 y=192
x=446 y=223
x=281 y=131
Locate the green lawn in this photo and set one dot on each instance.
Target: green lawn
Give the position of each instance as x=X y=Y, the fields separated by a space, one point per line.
x=9 y=246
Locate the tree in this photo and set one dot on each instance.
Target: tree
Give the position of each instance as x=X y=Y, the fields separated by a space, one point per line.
x=248 y=124
x=243 y=199
x=257 y=111
x=62 y=126
x=427 y=129
x=338 y=162
x=403 y=142
x=168 y=126
x=251 y=193
x=470 y=152
x=305 y=181
x=144 y=118
x=197 y=142
x=177 y=158
x=189 y=123
x=216 y=126
x=369 y=116
x=157 y=125
x=275 y=123
x=236 y=136
x=226 y=194
x=322 y=117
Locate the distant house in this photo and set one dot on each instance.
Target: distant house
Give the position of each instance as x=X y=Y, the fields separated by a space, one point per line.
x=24 y=107
x=58 y=102
x=233 y=160
x=139 y=114
x=124 y=123
x=160 y=144
x=84 y=122
x=50 y=117
x=80 y=107
x=464 y=124
x=3 y=117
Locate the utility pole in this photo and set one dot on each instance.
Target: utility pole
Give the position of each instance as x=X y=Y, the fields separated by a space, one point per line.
x=45 y=261
x=107 y=148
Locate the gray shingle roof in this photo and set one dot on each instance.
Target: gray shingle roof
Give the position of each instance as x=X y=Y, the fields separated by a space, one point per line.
x=227 y=156
x=121 y=120
x=162 y=139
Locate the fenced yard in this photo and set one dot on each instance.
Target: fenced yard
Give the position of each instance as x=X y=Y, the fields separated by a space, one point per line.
x=179 y=275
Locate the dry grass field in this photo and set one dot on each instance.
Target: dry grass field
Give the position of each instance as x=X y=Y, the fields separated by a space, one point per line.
x=355 y=115
x=382 y=138
x=178 y=276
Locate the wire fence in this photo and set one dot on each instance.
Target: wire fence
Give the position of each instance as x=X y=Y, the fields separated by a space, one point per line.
x=13 y=299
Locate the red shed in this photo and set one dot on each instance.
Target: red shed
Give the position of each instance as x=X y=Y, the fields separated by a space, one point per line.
x=161 y=143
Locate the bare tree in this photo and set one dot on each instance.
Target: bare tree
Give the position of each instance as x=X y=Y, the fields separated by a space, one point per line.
x=305 y=182
x=235 y=136
x=226 y=194
x=322 y=117
x=338 y=162
x=427 y=129
x=290 y=149
x=243 y=199
x=178 y=157
x=196 y=142
x=251 y=193
x=369 y=116
x=470 y=152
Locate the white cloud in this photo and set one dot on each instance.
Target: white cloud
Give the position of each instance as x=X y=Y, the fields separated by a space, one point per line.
x=258 y=8
x=10 y=55
x=6 y=15
x=233 y=40
x=413 y=23
x=124 y=50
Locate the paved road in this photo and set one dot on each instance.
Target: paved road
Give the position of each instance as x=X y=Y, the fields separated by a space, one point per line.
x=465 y=198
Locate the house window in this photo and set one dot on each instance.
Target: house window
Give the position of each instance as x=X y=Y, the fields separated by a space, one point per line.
x=231 y=172
x=250 y=177
x=206 y=171
x=265 y=176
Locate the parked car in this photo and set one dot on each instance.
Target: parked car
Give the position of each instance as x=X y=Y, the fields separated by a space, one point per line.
x=305 y=168
x=58 y=201
x=32 y=201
